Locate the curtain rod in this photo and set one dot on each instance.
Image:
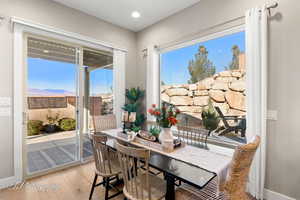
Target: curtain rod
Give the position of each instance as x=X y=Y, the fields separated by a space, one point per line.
x=268 y=6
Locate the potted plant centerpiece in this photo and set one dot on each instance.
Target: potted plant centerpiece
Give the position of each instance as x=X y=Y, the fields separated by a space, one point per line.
x=165 y=118
x=51 y=126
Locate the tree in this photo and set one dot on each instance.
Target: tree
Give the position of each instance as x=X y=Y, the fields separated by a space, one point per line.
x=201 y=67
x=235 y=58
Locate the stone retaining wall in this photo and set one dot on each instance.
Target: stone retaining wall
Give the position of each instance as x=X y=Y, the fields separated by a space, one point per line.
x=225 y=89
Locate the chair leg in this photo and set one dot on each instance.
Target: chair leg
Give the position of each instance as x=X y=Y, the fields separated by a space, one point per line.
x=106 y=188
x=219 y=129
x=227 y=130
x=243 y=133
x=93 y=186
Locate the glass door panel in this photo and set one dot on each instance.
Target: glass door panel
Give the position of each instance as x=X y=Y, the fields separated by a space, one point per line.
x=98 y=90
x=52 y=138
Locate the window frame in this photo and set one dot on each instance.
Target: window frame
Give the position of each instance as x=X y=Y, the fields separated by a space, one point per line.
x=187 y=43
x=204 y=38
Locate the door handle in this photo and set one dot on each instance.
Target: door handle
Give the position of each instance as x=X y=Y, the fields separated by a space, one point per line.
x=24 y=120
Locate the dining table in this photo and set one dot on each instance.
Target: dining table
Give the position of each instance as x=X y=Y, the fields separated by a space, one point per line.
x=179 y=165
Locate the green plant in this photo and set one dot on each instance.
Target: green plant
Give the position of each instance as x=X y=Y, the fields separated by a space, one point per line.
x=52 y=120
x=67 y=124
x=210 y=118
x=155 y=131
x=131 y=107
x=201 y=67
x=165 y=116
x=235 y=57
x=34 y=127
x=134 y=94
x=133 y=99
x=136 y=128
x=140 y=119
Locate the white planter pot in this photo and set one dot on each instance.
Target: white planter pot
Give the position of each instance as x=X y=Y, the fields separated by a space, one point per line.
x=165 y=135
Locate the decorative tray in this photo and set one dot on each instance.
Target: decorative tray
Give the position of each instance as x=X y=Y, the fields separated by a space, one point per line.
x=146 y=136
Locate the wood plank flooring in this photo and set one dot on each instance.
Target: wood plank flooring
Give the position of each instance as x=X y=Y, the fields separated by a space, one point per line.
x=73 y=183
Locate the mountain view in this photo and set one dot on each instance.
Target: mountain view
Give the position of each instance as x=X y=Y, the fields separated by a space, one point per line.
x=49 y=92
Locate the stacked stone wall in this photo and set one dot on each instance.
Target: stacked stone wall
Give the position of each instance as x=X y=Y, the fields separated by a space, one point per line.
x=225 y=90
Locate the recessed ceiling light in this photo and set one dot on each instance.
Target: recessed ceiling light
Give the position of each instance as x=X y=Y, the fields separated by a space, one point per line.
x=45 y=51
x=135 y=14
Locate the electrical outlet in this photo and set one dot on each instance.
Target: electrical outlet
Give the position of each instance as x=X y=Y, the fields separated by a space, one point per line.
x=272 y=115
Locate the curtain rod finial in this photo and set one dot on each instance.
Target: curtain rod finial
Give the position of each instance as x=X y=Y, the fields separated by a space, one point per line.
x=273 y=5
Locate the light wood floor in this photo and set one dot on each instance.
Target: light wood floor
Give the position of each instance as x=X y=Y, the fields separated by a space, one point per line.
x=70 y=184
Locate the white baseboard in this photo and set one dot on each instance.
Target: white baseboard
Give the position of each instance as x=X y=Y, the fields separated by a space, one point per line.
x=7 y=182
x=271 y=195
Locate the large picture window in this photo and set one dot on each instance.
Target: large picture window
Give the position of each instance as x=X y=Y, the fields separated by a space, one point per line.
x=208 y=75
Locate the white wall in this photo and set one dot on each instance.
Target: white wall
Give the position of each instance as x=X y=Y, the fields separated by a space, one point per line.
x=283 y=156
x=52 y=14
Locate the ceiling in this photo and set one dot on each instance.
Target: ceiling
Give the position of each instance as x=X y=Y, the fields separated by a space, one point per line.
x=54 y=51
x=119 y=11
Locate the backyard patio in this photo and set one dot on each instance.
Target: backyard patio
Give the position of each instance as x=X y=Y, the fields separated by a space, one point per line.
x=48 y=151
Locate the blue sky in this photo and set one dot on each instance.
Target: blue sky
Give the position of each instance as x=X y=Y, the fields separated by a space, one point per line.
x=46 y=74
x=174 y=63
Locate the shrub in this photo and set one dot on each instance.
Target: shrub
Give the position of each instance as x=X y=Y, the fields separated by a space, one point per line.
x=210 y=118
x=34 y=127
x=67 y=124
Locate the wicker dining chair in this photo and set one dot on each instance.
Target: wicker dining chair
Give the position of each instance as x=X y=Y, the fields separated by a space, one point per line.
x=107 y=165
x=139 y=184
x=192 y=135
x=234 y=187
x=104 y=122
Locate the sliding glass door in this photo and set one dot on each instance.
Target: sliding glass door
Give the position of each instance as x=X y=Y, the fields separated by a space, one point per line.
x=98 y=73
x=65 y=86
x=52 y=106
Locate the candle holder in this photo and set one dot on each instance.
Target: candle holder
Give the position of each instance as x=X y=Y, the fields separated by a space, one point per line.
x=124 y=127
x=131 y=125
x=128 y=119
x=125 y=118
